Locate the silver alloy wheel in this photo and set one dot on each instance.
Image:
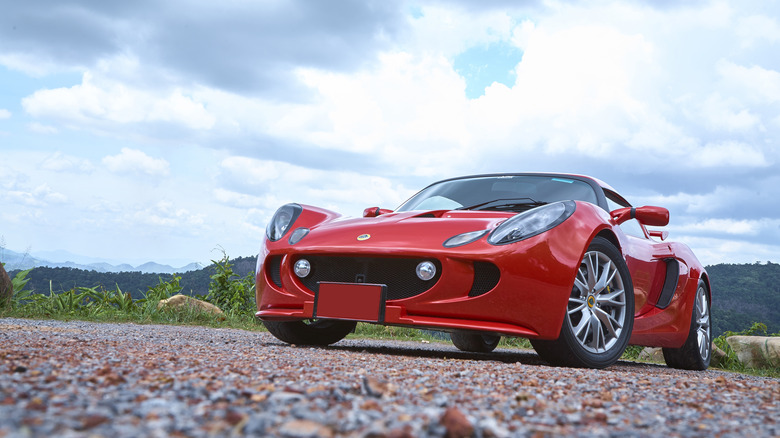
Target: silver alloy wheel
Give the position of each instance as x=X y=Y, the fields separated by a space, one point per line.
x=702 y=322
x=597 y=305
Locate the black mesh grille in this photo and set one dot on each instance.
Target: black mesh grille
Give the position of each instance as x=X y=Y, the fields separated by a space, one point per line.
x=275 y=269
x=397 y=273
x=486 y=276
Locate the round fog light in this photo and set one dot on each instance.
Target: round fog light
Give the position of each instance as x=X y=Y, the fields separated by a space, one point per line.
x=426 y=270
x=302 y=268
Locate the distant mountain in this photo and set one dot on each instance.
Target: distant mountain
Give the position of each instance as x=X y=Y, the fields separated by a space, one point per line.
x=15 y=260
x=18 y=261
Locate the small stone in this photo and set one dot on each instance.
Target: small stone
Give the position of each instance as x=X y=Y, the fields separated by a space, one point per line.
x=456 y=423
x=304 y=429
x=90 y=421
x=233 y=418
x=374 y=387
x=285 y=397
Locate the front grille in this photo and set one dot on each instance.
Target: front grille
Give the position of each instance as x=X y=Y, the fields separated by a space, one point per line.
x=486 y=276
x=397 y=273
x=275 y=269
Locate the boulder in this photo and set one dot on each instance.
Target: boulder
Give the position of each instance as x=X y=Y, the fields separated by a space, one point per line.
x=719 y=357
x=756 y=351
x=6 y=287
x=185 y=301
x=652 y=354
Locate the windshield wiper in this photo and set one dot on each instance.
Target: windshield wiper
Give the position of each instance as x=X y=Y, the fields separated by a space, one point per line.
x=505 y=204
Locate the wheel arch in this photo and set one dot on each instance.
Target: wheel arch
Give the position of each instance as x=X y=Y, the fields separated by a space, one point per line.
x=706 y=279
x=610 y=235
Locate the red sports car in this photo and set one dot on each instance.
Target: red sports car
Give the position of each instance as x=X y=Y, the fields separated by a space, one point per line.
x=562 y=260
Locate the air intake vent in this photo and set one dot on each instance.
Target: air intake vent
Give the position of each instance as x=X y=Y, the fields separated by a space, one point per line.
x=275 y=270
x=486 y=276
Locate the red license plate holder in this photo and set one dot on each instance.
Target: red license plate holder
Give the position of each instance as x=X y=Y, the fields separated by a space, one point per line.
x=353 y=301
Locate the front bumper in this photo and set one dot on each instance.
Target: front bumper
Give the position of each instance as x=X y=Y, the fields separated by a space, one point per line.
x=516 y=290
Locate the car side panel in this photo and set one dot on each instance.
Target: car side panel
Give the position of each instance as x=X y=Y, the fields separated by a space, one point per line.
x=669 y=327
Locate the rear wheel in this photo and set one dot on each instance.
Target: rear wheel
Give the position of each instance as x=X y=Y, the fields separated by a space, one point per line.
x=696 y=353
x=600 y=313
x=310 y=332
x=474 y=342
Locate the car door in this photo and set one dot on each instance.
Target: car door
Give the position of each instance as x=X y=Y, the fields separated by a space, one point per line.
x=654 y=269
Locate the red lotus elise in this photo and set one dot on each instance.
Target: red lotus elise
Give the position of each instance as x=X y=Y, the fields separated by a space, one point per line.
x=562 y=260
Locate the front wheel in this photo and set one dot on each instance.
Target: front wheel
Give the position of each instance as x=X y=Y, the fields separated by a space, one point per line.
x=600 y=313
x=310 y=332
x=696 y=352
x=474 y=342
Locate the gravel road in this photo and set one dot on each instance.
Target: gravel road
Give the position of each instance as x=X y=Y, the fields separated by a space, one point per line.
x=127 y=380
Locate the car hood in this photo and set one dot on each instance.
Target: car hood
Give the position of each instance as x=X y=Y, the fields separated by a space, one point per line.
x=422 y=229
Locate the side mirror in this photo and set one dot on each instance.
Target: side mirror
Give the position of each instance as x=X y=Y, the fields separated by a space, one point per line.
x=647 y=215
x=375 y=211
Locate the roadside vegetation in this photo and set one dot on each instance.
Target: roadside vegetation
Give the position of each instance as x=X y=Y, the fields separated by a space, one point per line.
x=235 y=296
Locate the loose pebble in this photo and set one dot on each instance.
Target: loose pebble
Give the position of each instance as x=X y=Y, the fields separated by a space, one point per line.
x=126 y=380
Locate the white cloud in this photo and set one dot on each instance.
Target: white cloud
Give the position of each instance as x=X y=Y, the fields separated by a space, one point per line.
x=100 y=100
x=755 y=83
x=677 y=99
x=165 y=214
x=135 y=161
x=757 y=28
x=40 y=128
x=711 y=251
x=5 y=114
x=59 y=162
x=730 y=154
x=41 y=196
x=731 y=115
x=743 y=227
x=246 y=183
x=238 y=200
x=28 y=64
x=448 y=31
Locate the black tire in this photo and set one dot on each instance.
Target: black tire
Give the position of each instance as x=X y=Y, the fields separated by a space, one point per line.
x=600 y=314
x=310 y=332
x=474 y=342
x=696 y=352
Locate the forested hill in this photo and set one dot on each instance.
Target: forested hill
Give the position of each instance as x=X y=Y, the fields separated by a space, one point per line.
x=742 y=294
x=136 y=283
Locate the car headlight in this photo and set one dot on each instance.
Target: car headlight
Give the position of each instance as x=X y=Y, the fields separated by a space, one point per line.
x=532 y=222
x=282 y=221
x=462 y=239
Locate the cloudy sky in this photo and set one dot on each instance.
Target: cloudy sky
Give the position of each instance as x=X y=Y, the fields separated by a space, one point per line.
x=161 y=130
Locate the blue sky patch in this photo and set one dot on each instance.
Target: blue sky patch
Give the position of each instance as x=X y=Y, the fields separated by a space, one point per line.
x=483 y=65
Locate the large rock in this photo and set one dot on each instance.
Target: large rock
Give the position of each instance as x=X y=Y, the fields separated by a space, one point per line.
x=185 y=301
x=756 y=351
x=652 y=354
x=6 y=287
x=719 y=357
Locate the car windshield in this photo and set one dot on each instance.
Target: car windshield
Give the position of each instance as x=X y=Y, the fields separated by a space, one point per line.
x=504 y=193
